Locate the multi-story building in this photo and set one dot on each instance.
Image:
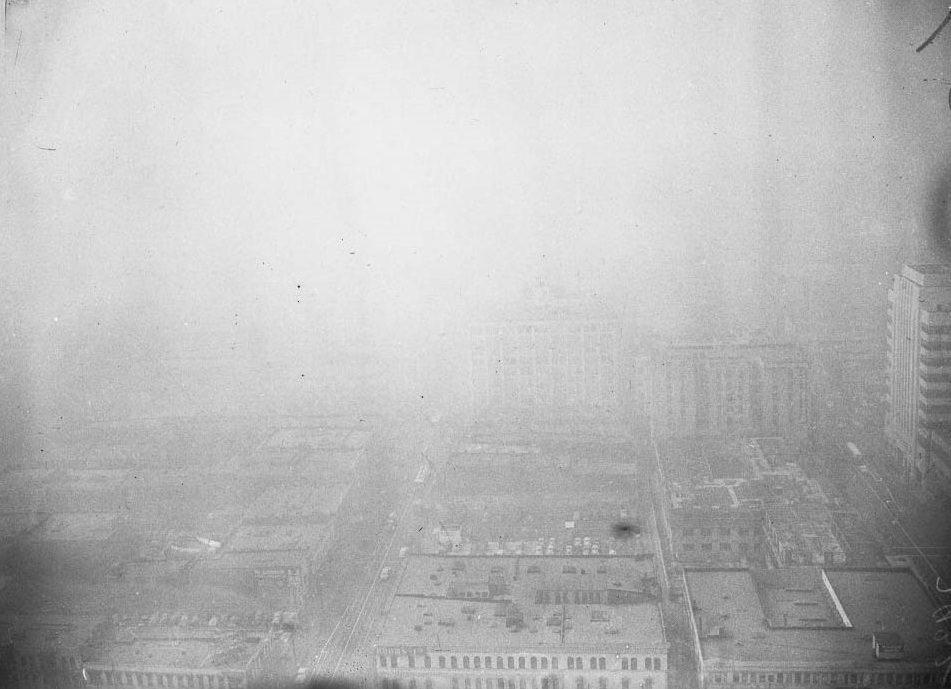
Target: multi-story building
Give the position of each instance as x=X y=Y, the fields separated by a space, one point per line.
x=524 y=622
x=919 y=364
x=45 y=650
x=811 y=626
x=744 y=503
x=184 y=656
x=553 y=356
x=730 y=389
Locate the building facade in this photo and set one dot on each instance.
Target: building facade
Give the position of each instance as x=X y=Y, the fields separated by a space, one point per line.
x=919 y=364
x=523 y=623
x=728 y=389
x=562 y=355
x=802 y=626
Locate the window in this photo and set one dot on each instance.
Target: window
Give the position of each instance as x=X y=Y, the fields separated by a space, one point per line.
x=657 y=665
x=498 y=662
x=465 y=662
x=521 y=662
x=488 y=662
x=442 y=661
x=647 y=664
x=511 y=663
x=454 y=682
x=688 y=546
x=633 y=663
x=554 y=663
x=393 y=661
x=705 y=533
x=706 y=546
x=544 y=663
x=688 y=533
x=624 y=663
x=578 y=663
x=601 y=664
x=382 y=661
x=476 y=662
x=579 y=683
x=593 y=664
x=428 y=661
x=602 y=683
x=724 y=531
x=725 y=546
x=500 y=683
x=534 y=663
x=453 y=662
x=571 y=663
x=412 y=660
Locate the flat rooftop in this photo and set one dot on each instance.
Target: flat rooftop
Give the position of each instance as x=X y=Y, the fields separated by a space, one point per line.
x=471 y=602
x=257 y=538
x=300 y=502
x=794 y=616
x=177 y=647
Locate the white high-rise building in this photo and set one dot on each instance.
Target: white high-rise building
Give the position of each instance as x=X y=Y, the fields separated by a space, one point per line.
x=919 y=364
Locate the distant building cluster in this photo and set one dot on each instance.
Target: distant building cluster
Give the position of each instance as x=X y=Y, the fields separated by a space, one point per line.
x=571 y=357
x=134 y=572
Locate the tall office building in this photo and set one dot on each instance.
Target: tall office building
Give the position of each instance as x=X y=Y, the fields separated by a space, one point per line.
x=919 y=367
x=555 y=354
x=728 y=389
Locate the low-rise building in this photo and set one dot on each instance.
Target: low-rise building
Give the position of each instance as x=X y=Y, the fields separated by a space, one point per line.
x=812 y=626
x=195 y=657
x=47 y=650
x=525 y=622
x=746 y=503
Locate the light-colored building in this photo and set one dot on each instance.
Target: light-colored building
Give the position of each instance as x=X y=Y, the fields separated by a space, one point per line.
x=811 y=626
x=550 y=357
x=729 y=389
x=524 y=623
x=198 y=658
x=919 y=364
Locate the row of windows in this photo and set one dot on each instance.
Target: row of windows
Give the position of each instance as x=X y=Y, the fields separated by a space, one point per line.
x=552 y=682
x=118 y=678
x=722 y=531
x=910 y=679
x=545 y=597
x=523 y=662
x=722 y=546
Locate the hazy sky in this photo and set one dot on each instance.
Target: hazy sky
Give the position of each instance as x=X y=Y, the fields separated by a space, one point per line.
x=258 y=162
